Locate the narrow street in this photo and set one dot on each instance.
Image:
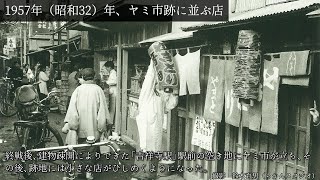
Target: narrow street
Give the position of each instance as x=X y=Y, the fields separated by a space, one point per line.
x=9 y=143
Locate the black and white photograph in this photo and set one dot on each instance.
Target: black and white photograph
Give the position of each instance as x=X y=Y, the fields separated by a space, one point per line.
x=160 y=89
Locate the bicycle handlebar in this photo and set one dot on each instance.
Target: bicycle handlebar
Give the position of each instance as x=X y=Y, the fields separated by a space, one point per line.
x=36 y=83
x=113 y=145
x=46 y=98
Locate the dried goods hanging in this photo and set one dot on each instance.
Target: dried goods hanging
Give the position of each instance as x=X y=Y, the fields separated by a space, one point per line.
x=248 y=64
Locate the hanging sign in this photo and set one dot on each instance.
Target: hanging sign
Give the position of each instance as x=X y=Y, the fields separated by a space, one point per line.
x=40 y=27
x=11 y=42
x=203 y=132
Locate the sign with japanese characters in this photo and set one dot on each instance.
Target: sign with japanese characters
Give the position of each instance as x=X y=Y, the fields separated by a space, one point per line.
x=203 y=132
x=138 y=10
x=40 y=27
x=12 y=42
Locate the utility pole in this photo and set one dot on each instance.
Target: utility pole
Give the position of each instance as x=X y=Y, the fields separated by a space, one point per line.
x=21 y=48
x=51 y=51
x=25 y=44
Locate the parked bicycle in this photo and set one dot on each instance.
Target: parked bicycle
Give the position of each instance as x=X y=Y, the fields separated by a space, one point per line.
x=33 y=128
x=71 y=175
x=7 y=99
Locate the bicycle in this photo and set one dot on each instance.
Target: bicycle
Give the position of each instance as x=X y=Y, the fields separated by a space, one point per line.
x=71 y=175
x=7 y=103
x=33 y=129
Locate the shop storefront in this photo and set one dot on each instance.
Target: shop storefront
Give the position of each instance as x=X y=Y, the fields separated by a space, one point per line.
x=276 y=131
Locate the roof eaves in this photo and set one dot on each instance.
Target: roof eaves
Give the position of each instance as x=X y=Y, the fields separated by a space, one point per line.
x=221 y=24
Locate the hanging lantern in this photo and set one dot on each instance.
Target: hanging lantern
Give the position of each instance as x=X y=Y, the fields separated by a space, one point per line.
x=165 y=67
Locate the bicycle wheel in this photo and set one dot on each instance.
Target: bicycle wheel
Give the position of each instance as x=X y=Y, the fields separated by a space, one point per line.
x=28 y=142
x=52 y=137
x=7 y=109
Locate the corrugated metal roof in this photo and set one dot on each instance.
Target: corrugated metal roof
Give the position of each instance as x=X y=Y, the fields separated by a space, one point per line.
x=261 y=12
x=315 y=13
x=169 y=37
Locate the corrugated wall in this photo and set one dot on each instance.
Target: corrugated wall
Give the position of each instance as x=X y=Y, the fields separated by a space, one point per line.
x=246 y=5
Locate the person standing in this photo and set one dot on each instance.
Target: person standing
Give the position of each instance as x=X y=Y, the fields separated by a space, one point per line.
x=72 y=81
x=36 y=69
x=87 y=114
x=28 y=73
x=16 y=75
x=112 y=85
x=43 y=79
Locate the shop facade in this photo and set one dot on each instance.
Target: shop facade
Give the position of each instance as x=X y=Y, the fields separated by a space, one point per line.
x=281 y=32
x=252 y=132
x=119 y=43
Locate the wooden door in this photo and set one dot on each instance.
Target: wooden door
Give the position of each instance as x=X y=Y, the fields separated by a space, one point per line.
x=293 y=138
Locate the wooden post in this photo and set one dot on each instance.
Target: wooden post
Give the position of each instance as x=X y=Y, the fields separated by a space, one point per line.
x=68 y=46
x=173 y=130
x=124 y=92
x=51 y=51
x=21 y=49
x=24 y=45
x=119 y=84
x=240 y=142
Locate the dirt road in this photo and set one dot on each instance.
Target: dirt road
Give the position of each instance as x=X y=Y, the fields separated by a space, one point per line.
x=9 y=143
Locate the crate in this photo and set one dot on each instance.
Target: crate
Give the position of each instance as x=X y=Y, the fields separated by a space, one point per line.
x=58 y=82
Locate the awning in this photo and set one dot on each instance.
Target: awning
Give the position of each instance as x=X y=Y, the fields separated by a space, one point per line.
x=79 y=52
x=4 y=57
x=54 y=47
x=47 y=49
x=169 y=37
x=267 y=11
x=82 y=26
x=314 y=14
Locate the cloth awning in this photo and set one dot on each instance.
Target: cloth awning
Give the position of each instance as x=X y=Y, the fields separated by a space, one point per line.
x=265 y=12
x=169 y=37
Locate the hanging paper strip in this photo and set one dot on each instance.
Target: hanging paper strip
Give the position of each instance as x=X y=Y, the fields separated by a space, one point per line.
x=213 y=107
x=203 y=132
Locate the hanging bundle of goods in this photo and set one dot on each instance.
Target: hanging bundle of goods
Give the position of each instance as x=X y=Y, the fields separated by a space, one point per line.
x=248 y=64
x=165 y=67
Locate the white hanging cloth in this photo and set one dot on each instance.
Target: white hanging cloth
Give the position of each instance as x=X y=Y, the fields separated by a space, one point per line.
x=188 y=70
x=150 y=115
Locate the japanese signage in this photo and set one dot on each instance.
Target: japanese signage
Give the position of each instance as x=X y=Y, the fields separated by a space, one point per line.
x=139 y=10
x=11 y=42
x=203 y=132
x=5 y=50
x=213 y=107
x=45 y=26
